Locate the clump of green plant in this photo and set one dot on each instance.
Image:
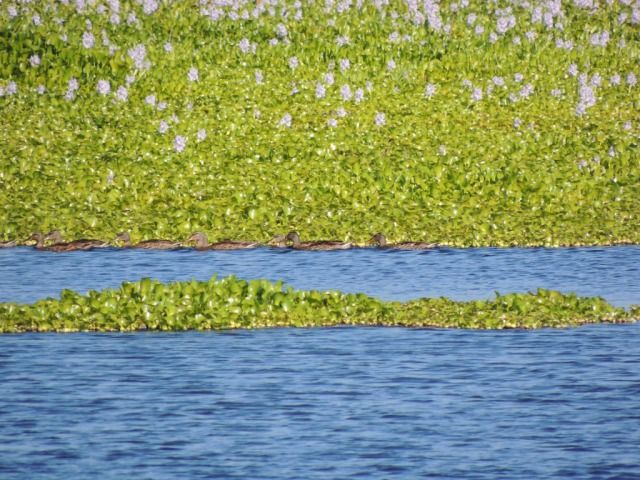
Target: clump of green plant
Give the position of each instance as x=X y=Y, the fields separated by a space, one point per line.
x=542 y=309
x=235 y=303
x=460 y=123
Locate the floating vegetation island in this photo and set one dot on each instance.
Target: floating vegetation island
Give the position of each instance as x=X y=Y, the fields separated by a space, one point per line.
x=234 y=303
x=452 y=122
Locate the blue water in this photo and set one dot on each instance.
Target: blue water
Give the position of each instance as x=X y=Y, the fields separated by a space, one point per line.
x=322 y=404
x=326 y=403
x=462 y=274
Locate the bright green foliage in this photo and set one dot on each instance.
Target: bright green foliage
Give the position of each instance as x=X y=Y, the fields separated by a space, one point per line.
x=545 y=308
x=443 y=169
x=234 y=303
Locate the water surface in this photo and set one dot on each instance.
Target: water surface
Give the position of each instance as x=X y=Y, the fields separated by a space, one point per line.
x=322 y=404
x=462 y=274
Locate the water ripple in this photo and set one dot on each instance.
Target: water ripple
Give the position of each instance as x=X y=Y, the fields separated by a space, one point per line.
x=321 y=404
x=461 y=274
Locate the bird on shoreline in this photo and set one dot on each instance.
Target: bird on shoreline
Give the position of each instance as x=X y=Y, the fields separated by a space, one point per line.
x=39 y=239
x=380 y=241
x=81 y=244
x=278 y=241
x=201 y=243
x=146 y=244
x=60 y=246
x=296 y=244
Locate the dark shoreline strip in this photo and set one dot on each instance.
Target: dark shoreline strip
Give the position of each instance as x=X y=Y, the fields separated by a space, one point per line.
x=355 y=245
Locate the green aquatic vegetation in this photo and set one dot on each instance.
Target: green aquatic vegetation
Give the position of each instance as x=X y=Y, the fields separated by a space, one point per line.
x=234 y=303
x=460 y=123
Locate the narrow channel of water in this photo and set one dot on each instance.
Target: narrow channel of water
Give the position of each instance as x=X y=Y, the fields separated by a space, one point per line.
x=611 y=272
x=322 y=404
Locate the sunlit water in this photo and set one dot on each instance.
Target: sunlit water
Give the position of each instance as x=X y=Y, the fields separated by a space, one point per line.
x=322 y=404
x=326 y=403
x=462 y=274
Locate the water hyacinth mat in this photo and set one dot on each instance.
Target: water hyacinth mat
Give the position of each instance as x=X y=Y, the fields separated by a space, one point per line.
x=453 y=122
x=234 y=303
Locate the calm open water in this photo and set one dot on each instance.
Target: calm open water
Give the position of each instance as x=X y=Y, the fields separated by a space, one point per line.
x=322 y=404
x=462 y=274
x=326 y=403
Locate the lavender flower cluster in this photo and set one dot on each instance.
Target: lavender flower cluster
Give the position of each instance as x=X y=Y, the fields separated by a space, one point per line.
x=336 y=82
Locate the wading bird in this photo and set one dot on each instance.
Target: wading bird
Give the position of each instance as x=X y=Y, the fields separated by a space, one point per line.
x=201 y=243
x=146 y=244
x=294 y=238
x=60 y=246
x=380 y=241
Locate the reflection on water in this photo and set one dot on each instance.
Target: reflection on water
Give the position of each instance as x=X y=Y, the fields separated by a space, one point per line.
x=612 y=272
x=322 y=404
